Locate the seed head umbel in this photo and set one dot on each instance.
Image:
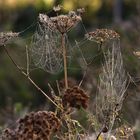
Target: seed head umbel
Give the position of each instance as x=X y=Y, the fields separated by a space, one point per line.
x=75 y=97
x=6 y=37
x=102 y=35
x=61 y=23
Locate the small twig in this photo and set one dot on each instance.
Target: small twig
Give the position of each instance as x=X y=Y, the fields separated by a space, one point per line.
x=52 y=91
x=27 y=76
x=84 y=75
x=58 y=87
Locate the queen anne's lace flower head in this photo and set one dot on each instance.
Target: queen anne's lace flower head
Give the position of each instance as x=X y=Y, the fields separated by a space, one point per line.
x=6 y=37
x=61 y=23
x=102 y=35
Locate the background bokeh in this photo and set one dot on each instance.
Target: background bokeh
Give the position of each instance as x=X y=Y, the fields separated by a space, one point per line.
x=18 y=96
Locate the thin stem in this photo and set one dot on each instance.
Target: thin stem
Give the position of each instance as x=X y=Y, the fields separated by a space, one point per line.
x=31 y=81
x=98 y=135
x=64 y=59
x=27 y=59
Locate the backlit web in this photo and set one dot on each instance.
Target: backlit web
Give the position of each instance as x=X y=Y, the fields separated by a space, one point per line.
x=45 y=50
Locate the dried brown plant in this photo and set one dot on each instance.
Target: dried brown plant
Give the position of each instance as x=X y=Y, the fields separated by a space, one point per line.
x=61 y=23
x=75 y=97
x=71 y=82
x=34 y=126
x=102 y=35
x=6 y=37
x=50 y=51
x=124 y=132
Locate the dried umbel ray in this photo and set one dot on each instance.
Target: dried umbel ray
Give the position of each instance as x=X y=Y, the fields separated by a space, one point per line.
x=102 y=35
x=6 y=37
x=112 y=87
x=34 y=126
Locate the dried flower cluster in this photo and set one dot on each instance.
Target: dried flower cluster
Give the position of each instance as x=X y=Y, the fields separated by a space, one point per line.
x=34 y=126
x=71 y=82
x=75 y=97
x=61 y=23
x=137 y=54
x=6 y=37
x=102 y=35
x=124 y=132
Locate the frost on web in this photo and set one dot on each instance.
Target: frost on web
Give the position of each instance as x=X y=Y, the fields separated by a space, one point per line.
x=45 y=51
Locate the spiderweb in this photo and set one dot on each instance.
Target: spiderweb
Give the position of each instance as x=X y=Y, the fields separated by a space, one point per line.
x=46 y=53
x=112 y=86
x=45 y=50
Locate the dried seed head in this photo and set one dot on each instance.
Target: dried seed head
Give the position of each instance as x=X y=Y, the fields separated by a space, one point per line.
x=71 y=82
x=57 y=8
x=137 y=54
x=61 y=23
x=46 y=22
x=8 y=134
x=124 y=132
x=102 y=35
x=5 y=38
x=75 y=97
x=36 y=125
x=80 y=11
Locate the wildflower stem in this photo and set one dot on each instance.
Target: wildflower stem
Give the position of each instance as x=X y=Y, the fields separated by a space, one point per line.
x=29 y=78
x=64 y=59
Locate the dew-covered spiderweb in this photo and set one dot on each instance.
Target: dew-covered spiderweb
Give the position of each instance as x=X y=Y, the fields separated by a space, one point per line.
x=45 y=50
x=112 y=86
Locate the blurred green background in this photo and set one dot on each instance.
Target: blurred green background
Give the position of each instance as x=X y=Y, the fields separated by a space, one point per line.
x=18 y=95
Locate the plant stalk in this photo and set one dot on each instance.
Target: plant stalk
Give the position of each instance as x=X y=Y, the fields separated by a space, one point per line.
x=28 y=77
x=64 y=59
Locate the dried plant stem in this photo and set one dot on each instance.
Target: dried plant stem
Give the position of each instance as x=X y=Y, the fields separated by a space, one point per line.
x=29 y=78
x=64 y=59
x=27 y=59
x=97 y=138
